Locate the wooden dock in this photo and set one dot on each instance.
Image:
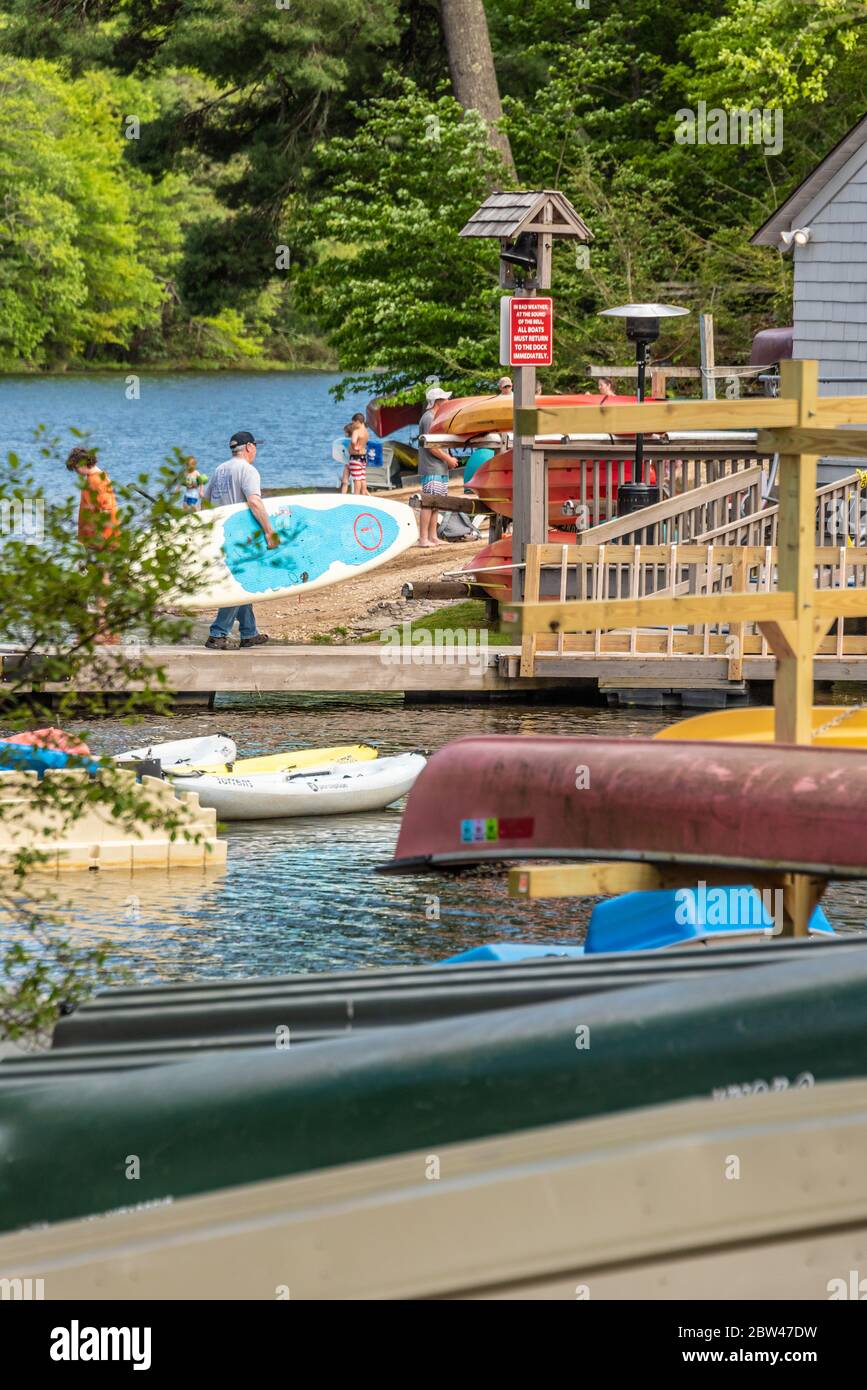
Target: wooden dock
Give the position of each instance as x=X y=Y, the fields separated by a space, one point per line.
x=360 y=668
x=197 y=675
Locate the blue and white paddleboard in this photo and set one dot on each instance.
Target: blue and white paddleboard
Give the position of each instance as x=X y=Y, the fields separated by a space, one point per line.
x=324 y=539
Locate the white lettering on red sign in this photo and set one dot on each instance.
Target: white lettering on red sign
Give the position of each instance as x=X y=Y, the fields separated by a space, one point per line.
x=531 y=332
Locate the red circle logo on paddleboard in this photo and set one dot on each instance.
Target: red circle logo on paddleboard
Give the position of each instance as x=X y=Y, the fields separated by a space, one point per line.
x=368 y=531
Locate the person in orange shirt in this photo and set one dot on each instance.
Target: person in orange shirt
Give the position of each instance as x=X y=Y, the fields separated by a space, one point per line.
x=97 y=511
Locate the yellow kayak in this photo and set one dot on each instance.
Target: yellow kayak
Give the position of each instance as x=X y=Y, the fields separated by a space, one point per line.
x=295 y=760
x=834 y=726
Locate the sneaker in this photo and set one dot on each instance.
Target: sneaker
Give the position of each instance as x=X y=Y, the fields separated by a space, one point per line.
x=218 y=644
x=258 y=641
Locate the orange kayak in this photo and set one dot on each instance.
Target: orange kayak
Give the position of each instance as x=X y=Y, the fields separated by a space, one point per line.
x=471 y=415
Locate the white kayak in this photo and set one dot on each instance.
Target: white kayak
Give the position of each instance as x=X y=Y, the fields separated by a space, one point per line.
x=184 y=752
x=330 y=791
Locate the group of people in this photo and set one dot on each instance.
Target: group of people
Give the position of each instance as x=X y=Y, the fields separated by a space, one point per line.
x=236 y=480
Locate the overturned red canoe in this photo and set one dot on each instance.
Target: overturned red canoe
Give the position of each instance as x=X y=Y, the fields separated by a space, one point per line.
x=492 y=568
x=774 y=807
x=383 y=417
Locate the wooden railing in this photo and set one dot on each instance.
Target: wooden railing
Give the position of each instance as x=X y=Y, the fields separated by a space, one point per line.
x=689 y=513
x=841 y=517
x=583 y=572
x=680 y=468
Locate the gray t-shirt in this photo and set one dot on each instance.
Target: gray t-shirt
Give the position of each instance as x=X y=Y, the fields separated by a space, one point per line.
x=233 y=481
x=428 y=464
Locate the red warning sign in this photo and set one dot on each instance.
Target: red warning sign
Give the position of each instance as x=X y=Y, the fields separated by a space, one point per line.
x=531 y=331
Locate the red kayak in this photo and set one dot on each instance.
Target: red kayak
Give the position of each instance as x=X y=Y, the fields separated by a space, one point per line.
x=51 y=738
x=493 y=572
x=769 y=806
x=493 y=483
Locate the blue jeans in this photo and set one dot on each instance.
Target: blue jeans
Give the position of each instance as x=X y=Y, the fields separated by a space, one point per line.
x=225 y=621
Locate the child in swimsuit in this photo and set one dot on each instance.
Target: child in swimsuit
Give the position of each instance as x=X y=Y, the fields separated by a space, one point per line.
x=193 y=486
x=355 y=470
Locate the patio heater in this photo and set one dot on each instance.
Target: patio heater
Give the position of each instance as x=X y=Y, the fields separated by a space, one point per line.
x=642 y=329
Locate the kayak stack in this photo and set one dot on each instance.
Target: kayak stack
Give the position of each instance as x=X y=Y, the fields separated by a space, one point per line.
x=339 y=780
x=572 y=1104
x=323 y=789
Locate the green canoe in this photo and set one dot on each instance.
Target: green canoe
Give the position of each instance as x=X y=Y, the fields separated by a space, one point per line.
x=66 y=1148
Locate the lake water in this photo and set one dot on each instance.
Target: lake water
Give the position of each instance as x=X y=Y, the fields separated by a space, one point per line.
x=298 y=894
x=293 y=412
x=303 y=894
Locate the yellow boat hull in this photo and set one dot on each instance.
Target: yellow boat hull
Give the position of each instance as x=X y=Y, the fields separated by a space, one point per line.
x=834 y=726
x=294 y=761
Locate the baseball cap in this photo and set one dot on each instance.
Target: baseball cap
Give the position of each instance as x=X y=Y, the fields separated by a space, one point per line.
x=242 y=437
x=437 y=394
x=504 y=381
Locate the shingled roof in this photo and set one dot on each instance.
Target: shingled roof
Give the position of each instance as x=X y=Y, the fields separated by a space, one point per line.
x=506 y=215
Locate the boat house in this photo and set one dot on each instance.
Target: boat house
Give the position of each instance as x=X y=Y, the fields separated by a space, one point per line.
x=823 y=225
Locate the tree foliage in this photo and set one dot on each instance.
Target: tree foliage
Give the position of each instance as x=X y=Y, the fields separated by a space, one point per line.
x=59 y=598
x=266 y=127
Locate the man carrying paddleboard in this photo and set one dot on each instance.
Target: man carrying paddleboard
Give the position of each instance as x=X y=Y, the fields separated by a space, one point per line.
x=238 y=481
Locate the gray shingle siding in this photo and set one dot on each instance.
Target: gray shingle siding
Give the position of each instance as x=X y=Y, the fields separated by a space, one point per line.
x=830 y=294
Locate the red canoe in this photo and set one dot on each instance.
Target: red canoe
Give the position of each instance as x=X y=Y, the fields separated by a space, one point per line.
x=384 y=418
x=762 y=806
x=493 y=483
x=492 y=567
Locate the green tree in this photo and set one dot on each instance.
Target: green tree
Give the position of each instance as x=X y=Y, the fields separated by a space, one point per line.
x=59 y=597
x=85 y=238
x=390 y=280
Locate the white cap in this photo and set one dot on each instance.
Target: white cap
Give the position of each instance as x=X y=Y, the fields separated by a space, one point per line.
x=437 y=394
x=504 y=381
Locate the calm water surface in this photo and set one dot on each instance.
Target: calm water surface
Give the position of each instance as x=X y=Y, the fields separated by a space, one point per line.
x=293 y=412
x=297 y=894
x=303 y=894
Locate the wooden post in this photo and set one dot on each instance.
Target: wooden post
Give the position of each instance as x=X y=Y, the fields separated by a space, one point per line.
x=796 y=554
x=736 y=630
x=708 y=357
x=523 y=479
x=530 y=492
x=658 y=382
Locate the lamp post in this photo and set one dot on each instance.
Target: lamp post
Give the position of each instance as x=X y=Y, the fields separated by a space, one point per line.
x=642 y=329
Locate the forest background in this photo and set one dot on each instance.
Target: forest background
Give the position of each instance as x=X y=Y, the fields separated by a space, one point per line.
x=279 y=183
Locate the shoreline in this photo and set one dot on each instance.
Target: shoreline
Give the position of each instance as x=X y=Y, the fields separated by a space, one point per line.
x=269 y=368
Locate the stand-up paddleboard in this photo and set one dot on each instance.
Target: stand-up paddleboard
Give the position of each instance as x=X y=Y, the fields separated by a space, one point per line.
x=493 y=482
x=834 y=726
x=324 y=538
x=472 y=415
